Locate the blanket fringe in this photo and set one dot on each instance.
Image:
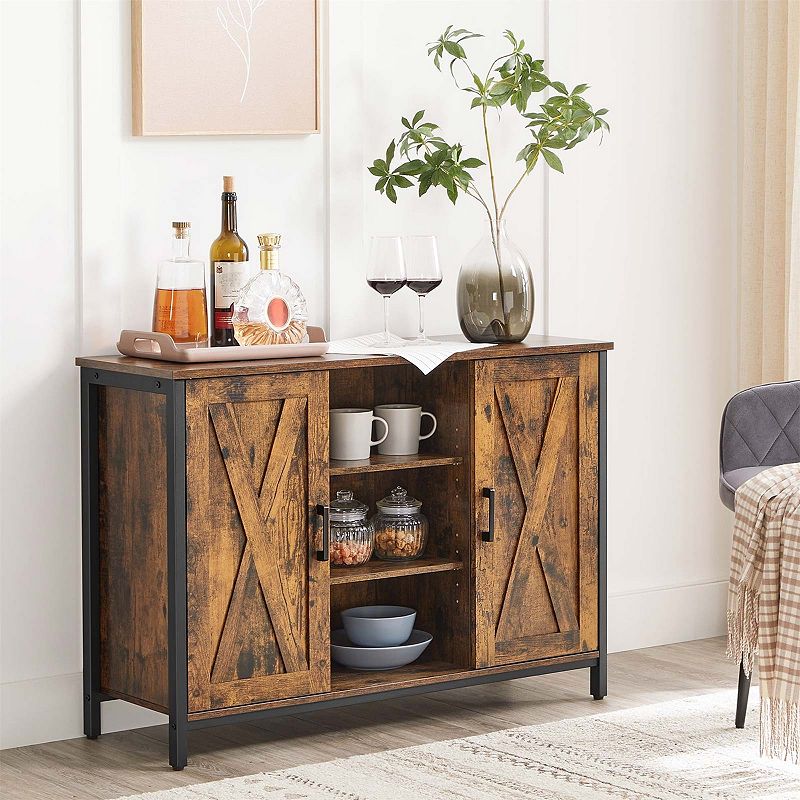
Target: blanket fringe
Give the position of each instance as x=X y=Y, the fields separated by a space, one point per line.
x=743 y=628
x=780 y=729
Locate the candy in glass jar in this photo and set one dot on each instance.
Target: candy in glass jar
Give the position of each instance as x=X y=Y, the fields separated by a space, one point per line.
x=352 y=535
x=401 y=529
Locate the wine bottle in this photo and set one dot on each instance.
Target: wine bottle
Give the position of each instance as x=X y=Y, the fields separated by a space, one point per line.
x=230 y=269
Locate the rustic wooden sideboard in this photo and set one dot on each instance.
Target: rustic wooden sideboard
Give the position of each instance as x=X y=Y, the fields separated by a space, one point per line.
x=207 y=590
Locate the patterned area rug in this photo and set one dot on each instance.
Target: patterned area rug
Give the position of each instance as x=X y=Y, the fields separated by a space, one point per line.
x=683 y=750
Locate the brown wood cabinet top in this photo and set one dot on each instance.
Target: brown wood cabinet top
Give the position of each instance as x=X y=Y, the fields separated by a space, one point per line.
x=533 y=345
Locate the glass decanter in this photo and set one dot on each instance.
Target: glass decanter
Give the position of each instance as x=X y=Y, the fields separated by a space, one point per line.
x=179 y=306
x=270 y=308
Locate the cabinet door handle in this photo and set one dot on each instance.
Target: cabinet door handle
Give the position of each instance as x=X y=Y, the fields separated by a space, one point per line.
x=488 y=536
x=324 y=512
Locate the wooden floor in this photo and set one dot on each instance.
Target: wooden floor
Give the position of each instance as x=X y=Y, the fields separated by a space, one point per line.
x=119 y=764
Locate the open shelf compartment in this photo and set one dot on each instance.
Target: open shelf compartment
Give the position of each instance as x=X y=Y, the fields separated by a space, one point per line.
x=375 y=570
x=390 y=463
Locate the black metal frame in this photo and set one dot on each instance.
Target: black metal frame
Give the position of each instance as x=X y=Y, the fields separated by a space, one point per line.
x=175 y=394
x=598 y=675
x=179 y=722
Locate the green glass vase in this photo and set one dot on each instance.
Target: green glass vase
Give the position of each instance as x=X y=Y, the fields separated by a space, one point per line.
x=495 y=290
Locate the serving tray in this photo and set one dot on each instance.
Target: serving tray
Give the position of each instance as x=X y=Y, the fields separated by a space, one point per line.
x=161 y=347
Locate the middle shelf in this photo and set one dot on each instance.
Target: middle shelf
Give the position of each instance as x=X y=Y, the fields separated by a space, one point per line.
x=389 y=463
x=376 y=570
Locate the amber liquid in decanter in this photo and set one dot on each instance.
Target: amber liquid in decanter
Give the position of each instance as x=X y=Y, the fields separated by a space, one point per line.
x=179 y=308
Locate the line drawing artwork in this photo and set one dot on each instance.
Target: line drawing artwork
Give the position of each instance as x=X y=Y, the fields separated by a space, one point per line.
x=241 y=13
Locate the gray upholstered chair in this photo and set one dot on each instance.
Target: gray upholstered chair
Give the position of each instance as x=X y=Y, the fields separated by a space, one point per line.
x=760 y=429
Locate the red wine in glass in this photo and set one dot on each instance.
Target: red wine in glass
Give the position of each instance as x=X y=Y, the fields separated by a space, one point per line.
x=423 y=275
x=386 y=286
x=386 y=272
x=423 y=285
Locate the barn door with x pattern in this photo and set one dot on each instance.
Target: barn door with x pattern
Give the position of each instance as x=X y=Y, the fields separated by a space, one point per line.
x=257 y=595
x=536 y=446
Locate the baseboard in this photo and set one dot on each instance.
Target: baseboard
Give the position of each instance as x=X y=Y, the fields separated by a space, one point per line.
x=50 y=709
x=666 y=615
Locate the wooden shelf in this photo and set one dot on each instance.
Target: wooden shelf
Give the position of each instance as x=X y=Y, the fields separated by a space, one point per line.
x=347 y=680
x=388 y=463
x=376 y=570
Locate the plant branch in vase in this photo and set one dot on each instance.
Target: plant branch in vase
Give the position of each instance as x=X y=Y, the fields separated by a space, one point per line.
x=495 y=285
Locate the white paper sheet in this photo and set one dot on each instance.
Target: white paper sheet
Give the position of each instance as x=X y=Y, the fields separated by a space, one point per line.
x=424 y=357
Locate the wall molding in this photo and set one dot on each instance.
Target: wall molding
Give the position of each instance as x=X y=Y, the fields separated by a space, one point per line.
x=668 y=614
x=50 y=709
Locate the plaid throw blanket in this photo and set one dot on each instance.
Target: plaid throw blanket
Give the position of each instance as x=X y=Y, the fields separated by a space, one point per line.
x=764 y=601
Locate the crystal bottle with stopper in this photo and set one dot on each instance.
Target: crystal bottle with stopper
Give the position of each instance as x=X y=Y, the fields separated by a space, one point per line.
x=270 y=308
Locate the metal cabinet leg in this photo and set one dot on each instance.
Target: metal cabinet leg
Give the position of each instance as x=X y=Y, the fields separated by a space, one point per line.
x=176 y=575
x=741 y=700
x=598 y=679
x=90 y=561
x=178 y=747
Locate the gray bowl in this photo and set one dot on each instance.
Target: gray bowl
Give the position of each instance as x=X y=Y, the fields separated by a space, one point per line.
x=378 y=626
x=368 y=659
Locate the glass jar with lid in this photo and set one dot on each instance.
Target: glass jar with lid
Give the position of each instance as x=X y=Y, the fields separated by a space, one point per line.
x=401 y=529
x=352 y=535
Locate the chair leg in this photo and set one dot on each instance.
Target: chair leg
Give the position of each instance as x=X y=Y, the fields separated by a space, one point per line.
x=741 y=700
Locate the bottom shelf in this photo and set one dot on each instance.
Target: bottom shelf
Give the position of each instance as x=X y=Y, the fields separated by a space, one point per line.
x=349 y=680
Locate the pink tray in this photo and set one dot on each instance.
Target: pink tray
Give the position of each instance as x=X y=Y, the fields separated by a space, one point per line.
x=161 y=347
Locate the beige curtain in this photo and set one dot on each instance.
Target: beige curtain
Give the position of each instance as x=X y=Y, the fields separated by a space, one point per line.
x=769 y=191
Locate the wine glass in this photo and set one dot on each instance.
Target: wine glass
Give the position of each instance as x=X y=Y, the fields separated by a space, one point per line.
x=386 y=272
x=423 y=275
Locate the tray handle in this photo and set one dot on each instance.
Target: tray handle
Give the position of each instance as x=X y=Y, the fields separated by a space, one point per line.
x=315 y=334
x=144 y=343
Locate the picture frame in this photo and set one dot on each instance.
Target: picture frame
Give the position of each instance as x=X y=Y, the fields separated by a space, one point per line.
x=225 y=67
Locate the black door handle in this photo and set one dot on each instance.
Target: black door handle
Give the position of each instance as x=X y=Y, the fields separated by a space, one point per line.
x=324 y=512
x=488 y=536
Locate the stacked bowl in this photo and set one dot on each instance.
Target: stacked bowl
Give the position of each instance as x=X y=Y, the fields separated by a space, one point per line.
x=377 y=638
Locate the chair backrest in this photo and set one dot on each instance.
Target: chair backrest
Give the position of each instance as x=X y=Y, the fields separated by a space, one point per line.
x=761 y=427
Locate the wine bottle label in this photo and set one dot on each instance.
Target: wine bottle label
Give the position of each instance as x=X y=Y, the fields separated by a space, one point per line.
x=229 y=278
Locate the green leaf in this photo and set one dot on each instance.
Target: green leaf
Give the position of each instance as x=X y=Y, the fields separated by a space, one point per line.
x=455 y=49
x=376 y=171
x=452 y=193
x=380 y=184
x=472 y=163
x=424 y=184
x=401 y=181
x=559 y=87
x=389 y=153
x=553 y=160
x=478 y=101
x=580 y=88
x=411 y=167
x=601 y=112
x=391 y=193
x=417 y=117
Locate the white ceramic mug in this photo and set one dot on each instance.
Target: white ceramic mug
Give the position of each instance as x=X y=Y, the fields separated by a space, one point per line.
x=404 y=421
x=351 y=433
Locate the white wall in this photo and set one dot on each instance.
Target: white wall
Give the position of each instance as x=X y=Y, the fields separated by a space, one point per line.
x=636 y=242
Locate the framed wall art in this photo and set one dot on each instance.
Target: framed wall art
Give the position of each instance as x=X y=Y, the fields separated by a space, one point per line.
x=204 y=67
